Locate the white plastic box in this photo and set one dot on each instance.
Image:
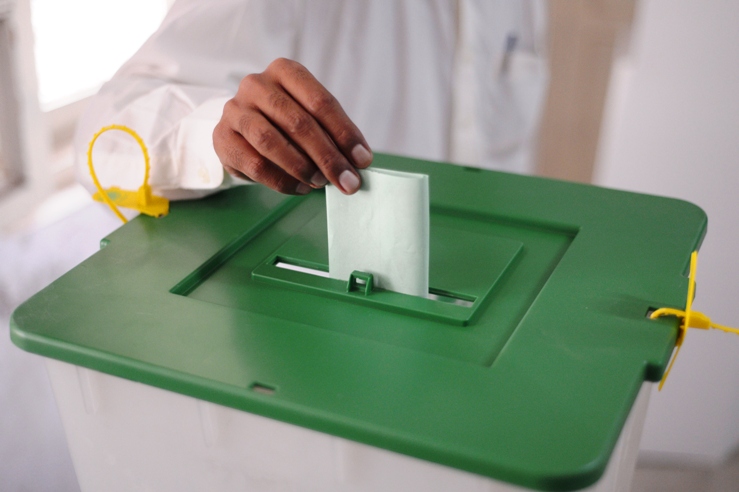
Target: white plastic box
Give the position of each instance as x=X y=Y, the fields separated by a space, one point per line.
x=530 y=384
x=126 y=436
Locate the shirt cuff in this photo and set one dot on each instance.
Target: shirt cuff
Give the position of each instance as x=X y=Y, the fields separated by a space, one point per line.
x=198 y=166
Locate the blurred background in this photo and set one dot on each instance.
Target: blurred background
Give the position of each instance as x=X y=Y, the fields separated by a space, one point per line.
x=643 y=96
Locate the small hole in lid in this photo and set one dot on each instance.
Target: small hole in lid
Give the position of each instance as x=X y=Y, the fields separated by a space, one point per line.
x=262 y=388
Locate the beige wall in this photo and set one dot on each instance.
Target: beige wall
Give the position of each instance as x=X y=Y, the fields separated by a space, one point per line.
x=583 y=35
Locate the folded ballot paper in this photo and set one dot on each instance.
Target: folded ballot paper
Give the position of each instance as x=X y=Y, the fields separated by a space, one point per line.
x=382 y=229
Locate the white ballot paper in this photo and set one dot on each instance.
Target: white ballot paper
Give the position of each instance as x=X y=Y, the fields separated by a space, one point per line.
x=382 y=229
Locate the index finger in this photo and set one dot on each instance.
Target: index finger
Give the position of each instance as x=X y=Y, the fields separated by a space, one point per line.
x=297 y=81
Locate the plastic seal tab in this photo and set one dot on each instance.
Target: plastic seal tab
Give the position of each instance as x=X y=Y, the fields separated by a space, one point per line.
x=688 y=318
x=142 y=199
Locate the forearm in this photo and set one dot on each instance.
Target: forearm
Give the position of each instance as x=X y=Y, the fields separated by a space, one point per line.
x=172 y=92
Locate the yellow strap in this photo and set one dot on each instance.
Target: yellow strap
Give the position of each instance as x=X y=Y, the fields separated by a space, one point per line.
x=689 y=318
x=143 y=199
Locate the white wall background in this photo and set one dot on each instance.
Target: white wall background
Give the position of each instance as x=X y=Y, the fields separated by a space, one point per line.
x=672 y=128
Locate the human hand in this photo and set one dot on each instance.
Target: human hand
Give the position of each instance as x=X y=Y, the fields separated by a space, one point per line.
x=285 y=130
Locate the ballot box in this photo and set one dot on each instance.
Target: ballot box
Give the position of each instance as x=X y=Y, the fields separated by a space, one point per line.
x=208 y=350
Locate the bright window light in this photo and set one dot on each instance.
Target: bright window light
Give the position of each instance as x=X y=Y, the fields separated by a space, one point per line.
x=79 y=44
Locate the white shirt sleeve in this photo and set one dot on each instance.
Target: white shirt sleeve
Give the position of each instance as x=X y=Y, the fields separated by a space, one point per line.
x=172 y=93
x=390 y=64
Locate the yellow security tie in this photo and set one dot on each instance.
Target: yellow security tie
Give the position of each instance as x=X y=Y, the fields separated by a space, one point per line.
x=142 y=200
x=688 y=318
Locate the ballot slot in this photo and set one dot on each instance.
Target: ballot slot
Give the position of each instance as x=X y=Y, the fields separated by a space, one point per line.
x=280 y=263
x=441 y=303
x=451 y=297
x=476 y=262
x=291 y=254
x=434 y=294
x=497 y=266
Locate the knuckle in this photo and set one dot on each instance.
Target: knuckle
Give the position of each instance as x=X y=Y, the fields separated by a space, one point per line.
x=283 y=184
x=321 y=102
x=280 y=64
x=249 y=82
x=299 y=124
x=279 y=101
x=344 y=137
x=244 y=124
x=264 y=139
x=218 y=133
x=302 y=170
x=256 y=168
x=235 y=173
x=306 y=173
x=329 y=161
x=219 y=141
x=298 y=71
x=231 y=107
x=231 y=112
x=234 y=157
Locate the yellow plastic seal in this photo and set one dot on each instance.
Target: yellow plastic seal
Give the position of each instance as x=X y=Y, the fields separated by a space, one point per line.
x=143 y=199
x=689 y=318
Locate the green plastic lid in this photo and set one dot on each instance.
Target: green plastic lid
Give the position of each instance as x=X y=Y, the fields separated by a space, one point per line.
x=523 y=367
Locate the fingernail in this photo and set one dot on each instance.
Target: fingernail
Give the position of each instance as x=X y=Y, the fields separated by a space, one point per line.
x=318 y=179
x=302 y=189
x=349 y=181
x=362 y=157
